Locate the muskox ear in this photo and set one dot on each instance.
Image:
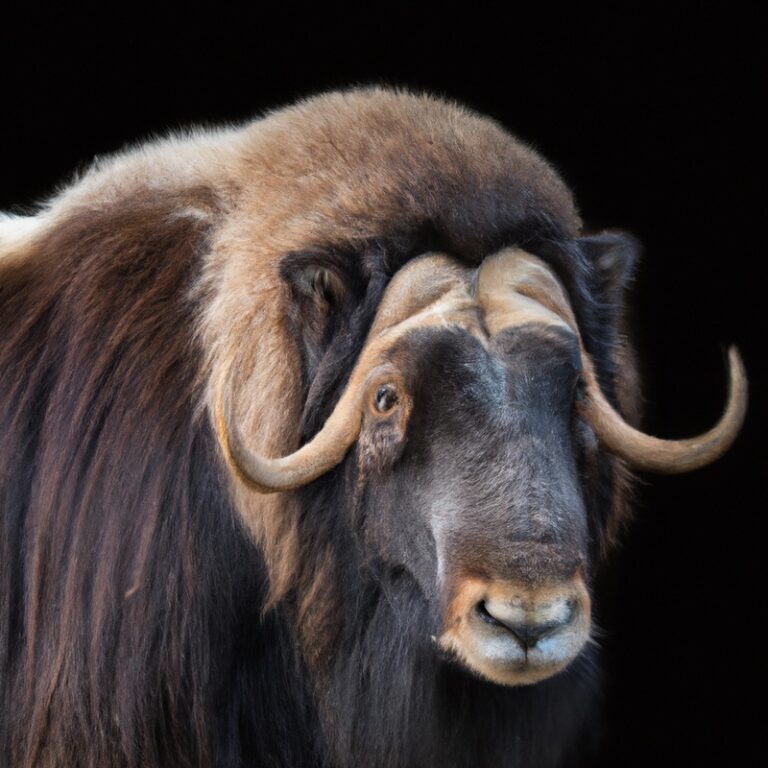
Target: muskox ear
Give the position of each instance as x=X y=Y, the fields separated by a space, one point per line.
x=611 y=257
x=322 y=288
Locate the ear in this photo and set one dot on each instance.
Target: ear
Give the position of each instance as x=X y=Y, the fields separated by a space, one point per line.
x=317 y=291
x=312 y=280
x=607 y=261
x=611 y=257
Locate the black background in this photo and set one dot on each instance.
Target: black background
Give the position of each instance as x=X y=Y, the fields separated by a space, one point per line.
x=654 y=120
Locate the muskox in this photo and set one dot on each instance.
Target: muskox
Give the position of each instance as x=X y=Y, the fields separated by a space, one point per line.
x=314 y=435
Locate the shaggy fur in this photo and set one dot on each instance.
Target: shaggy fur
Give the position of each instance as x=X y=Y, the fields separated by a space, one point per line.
x=155 y=612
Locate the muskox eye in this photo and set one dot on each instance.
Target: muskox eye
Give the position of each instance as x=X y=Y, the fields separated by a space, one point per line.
x=386 y=398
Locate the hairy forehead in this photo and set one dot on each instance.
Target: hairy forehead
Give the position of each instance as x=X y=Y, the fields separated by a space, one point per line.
x=453 y=355
x=540 y=343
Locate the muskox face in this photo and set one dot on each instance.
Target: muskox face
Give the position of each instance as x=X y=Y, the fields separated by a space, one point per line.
x=480 y=497
x=476 y=427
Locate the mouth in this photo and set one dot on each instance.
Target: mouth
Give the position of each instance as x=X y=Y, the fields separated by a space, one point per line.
x=512 y=635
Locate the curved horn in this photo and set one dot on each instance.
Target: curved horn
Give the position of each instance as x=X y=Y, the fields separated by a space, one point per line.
x=515 y=287
x=653 y=454
x=431 y=290
x=324 y=451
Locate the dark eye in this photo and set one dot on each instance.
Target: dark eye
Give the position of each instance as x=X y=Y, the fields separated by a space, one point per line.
x=386 y=398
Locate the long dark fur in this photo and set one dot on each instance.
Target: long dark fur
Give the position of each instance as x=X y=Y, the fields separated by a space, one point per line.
x=124 y=640
x=131 y=623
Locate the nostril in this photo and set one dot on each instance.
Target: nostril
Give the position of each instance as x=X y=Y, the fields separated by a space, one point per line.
x=527 y=631
x=483 y=613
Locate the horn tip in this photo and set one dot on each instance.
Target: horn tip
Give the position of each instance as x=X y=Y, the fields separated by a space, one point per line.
x=738 y=382
x=736 y=361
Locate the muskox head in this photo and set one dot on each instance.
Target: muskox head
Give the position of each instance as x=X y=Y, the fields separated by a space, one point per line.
x=473 y=426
